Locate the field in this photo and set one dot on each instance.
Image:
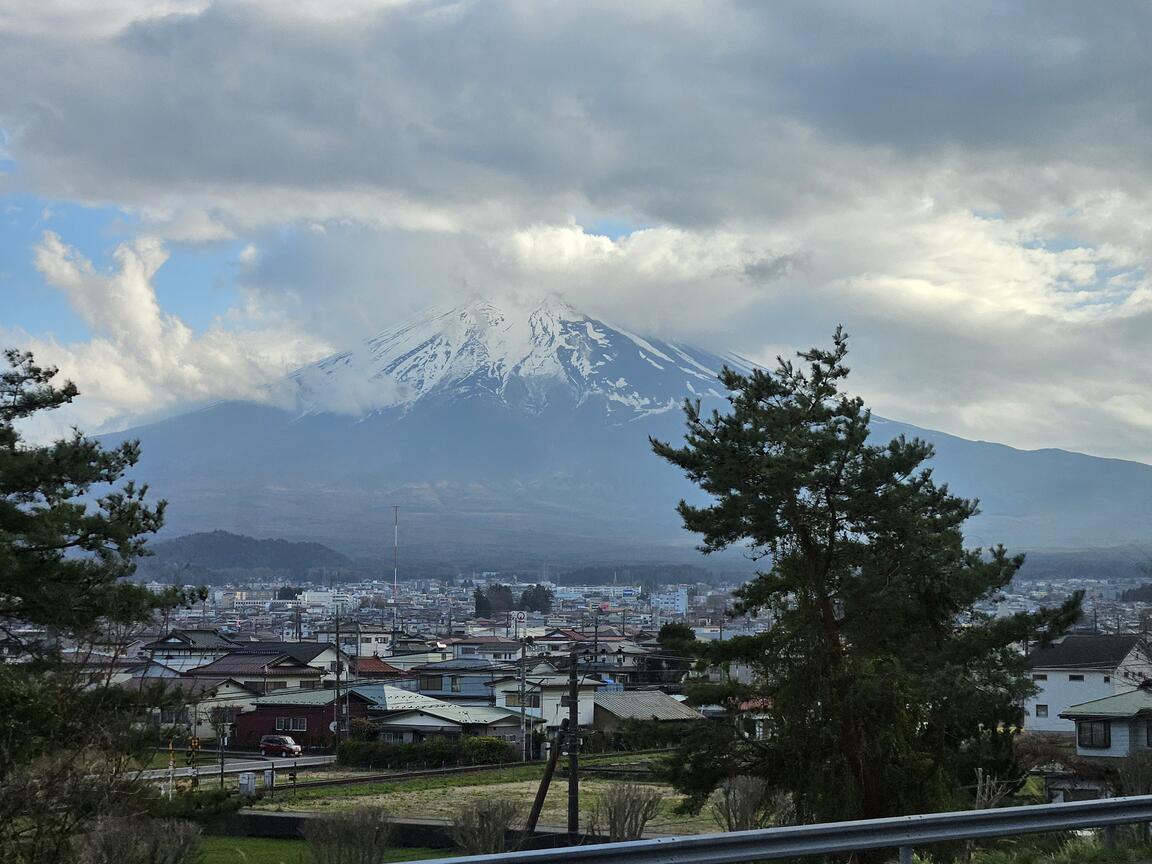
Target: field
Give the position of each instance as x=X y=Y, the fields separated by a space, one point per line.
x=441 y=797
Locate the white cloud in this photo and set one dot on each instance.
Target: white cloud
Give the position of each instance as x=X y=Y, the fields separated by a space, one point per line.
x=142 y=360
x=966 y=187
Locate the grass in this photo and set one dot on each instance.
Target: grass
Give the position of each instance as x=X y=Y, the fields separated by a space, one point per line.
x=511 y=774
x=438 y=798
x=259 y=850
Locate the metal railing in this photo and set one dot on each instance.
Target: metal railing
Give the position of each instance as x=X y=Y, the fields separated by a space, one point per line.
x=902 y=832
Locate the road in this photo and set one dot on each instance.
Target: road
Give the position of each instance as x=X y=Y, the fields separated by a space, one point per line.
x=210 y=765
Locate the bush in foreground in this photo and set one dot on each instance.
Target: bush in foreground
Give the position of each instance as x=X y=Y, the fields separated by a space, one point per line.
x=139 y=841
x=482 y=827
x=623 y=811
x=360 y=836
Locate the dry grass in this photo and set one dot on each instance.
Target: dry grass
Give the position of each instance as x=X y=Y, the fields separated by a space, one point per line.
x=445 y=802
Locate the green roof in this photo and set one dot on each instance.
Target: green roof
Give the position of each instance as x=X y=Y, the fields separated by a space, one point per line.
x=1128 y=704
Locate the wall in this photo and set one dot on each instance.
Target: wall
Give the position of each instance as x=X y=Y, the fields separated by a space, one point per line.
x=1058 y=693
x=1123 y=734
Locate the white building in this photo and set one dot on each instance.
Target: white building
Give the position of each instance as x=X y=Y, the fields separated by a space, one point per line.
x=1077 y=669
x=546 y=697
x=672 y=602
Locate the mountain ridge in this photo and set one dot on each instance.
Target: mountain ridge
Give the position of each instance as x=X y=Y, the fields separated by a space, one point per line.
x=525 y=434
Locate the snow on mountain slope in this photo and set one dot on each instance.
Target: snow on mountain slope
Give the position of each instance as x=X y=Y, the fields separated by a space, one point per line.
x=525 y=357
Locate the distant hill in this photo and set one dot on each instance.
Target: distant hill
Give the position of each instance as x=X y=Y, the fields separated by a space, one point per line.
x=222 y=550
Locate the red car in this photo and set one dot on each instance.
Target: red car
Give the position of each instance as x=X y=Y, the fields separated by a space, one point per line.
x=279 y=745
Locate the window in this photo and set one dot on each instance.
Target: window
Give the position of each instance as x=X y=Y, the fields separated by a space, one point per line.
x=531 y=700
x=1075 y=677
x=1094 y=734
x=455 y=683
x=174 y=716
x=1041 y=710
x=282 y=724
x=392 y=737
x=299 y=724
x=277 y=685
x=1107 y=679
x=431 y=682
x=1040 y=677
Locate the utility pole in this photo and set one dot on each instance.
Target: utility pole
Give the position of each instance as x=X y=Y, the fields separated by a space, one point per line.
x=523 y=696
x=336 y=704
x=573 y=750
x=595 y=637
x=220 y=731
x=395 y=571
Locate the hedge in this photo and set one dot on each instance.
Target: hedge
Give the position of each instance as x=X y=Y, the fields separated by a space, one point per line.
x=433 y=753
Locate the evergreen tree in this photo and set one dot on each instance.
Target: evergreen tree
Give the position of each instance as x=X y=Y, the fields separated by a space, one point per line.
x=67 y=738
x=499 y=598
x=483 y=607
x=536 y=598
x=677 y=647
x=879 y=681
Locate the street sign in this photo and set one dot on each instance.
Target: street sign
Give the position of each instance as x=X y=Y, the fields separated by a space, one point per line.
x=332 y=726
x=521 y=617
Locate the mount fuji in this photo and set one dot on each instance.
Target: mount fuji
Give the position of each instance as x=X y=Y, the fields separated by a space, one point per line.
x=511 y=433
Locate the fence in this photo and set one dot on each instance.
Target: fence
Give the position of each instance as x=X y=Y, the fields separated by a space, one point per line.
x=902 y=832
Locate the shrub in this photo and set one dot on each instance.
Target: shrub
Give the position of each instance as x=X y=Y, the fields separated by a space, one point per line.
x=122 y=840
x=741 y=804
x=482 y=827
x=196 y=805
x=623 y=811
x=745 y=803
x=358 y=836
x=486 y=750
x=436 y=752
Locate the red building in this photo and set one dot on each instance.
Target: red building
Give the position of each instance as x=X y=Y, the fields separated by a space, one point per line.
x=305 y=715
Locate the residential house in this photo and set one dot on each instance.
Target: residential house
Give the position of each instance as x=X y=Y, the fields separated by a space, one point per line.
x=322 y=656
x=460 y=681
x=546 y=697
x=262 y=672
x=378 y=669
x=305 y=715
x=615 y=707
x=452 y=721
x=493 y=649
x=1114 y=726
x=1081 y=668
x=183 y=650
x=200 y=705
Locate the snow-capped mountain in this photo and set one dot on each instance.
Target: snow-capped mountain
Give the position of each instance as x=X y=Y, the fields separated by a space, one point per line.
x=521 y=432
x=527 y=357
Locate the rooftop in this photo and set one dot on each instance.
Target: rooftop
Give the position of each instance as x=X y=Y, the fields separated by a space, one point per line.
x=1122 y=705
x=644 y=705
x=1095 y=651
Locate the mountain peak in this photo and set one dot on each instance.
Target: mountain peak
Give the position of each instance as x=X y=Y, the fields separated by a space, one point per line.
x=528 y=356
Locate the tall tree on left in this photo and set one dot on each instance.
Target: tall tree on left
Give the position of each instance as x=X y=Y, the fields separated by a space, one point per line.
x=71 y=531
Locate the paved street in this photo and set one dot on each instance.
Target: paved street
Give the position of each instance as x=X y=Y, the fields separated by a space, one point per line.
x=209 y=765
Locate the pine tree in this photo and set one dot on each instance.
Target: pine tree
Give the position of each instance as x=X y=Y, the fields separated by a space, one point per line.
x=879 y=683
x=63 y=558
x=67 y=737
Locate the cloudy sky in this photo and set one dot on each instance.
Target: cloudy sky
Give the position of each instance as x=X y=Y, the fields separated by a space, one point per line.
x=200 y=195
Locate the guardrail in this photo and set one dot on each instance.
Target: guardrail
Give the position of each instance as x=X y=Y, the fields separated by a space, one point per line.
x=902 y=832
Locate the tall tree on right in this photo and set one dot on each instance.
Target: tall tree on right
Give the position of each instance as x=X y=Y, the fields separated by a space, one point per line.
x=879 y=685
